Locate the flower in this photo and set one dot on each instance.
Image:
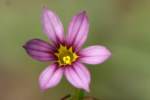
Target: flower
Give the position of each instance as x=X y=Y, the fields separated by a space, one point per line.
x=65 y=54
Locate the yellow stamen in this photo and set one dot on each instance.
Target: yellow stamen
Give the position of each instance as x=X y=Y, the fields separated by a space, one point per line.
x=65 y=56
x=67 y=60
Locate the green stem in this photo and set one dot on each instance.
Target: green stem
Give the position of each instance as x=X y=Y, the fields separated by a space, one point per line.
x=79 y=95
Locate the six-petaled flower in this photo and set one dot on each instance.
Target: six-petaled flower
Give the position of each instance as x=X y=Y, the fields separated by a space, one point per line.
x=65 y=54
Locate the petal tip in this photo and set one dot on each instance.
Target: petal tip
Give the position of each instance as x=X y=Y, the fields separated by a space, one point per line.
x=41 y=86
x=44 y=7
x=108 y=52
x=95 y=54
x=42 y=89
x=87 y=89
x=24 y=46
x=83 y=12
x=50 y=77
x=44 y=10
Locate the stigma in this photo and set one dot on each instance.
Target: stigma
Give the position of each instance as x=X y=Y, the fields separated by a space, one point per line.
x=65 y=56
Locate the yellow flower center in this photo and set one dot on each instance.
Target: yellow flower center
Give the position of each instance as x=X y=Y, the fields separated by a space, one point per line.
x=66 y=56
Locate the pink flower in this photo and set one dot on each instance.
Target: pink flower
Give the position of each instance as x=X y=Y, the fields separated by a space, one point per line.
x=65 y=54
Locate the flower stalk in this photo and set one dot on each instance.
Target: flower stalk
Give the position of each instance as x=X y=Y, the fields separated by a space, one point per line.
x=80 y=95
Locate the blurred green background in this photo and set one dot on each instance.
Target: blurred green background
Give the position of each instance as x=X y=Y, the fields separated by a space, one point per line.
x=121 y=25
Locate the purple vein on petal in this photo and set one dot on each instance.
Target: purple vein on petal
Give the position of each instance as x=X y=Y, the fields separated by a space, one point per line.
x=52 y=26
x=94 y=54
x=78 y=30
x=77 y=77
x=39 y=50
x=50 y=77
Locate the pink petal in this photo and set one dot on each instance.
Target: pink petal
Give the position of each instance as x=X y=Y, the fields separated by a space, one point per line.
x=50 y=77
x=79 y=76
x=52 y=26
x=39 y=50
x=78 y=30
x=94 y=54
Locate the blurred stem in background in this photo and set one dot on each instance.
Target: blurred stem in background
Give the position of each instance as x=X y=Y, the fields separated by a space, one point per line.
x=78 y=95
